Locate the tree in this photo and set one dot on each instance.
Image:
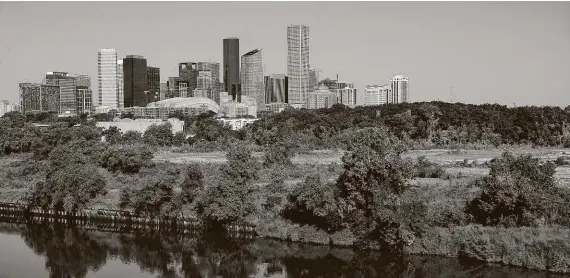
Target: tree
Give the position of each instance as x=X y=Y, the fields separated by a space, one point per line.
x=159 y=135
x=71 y=182
x=132 y=137
x=128 y=159
x=112 y=135
x=193 y=183
x=517 y=192
x=314 y=203
x=230 y=200
x=369 y=189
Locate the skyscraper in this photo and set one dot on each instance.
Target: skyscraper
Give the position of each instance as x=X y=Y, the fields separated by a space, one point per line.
x=135 y=76
x=120 y=84
x=37 y=97
x=107 y=78
x=313 y=79
x=231 y=68
x=153 y=84
x=298 y=63
x=209 y=80
x=400 y=85
x=276 y=88
x=252 y=76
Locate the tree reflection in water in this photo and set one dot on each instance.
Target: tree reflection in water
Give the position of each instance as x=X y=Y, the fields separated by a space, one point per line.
x=73 y=252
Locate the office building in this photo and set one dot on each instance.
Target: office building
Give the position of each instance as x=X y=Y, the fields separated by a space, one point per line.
x=377 y=95
x=107 y=78
x=252 y=76
x=188 y=78
x=298 y=63
x=6 y=107
x=347 y=96
x=163 y=90
x=37 y=98
x=321 y=98
x=313 y=79
x=400 y=86
x=135 y=79
x=235 y=109
x=120 y=84
x=208 y=81
x=231 y=68
x=75 y=96
x=153 y=84
x=276 y=88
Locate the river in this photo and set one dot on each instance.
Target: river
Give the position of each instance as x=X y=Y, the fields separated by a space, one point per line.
x=55 y=250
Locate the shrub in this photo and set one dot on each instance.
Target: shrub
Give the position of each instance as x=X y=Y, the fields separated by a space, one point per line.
x=126 y=158
x=427 y=169
x=313 y=203
x=159 y=135
x=517 y=192
x=193 y=183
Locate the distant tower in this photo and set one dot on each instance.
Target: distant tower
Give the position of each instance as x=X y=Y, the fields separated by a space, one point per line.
x=107 y=78
x=231 y=68
x=313 y=79
x=120 y=84
x=400 y=93
x=135 y=75
x=252 y=76
x=298 y=63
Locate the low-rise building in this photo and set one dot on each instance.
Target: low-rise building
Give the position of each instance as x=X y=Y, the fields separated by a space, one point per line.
x=237 y=124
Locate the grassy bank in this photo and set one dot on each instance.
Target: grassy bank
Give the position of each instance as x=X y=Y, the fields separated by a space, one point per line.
x=545 y=249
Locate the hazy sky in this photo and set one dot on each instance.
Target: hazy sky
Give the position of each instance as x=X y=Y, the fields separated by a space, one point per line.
x=488 y=51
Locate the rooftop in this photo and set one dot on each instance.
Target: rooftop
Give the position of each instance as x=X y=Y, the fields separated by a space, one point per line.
x=252 y=52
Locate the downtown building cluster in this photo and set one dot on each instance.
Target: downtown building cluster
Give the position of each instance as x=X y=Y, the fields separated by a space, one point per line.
x=130 y=85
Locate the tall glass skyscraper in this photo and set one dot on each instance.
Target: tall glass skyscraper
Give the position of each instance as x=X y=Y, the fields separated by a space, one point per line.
x=231 y=68
x=298 y=63
x=107 y=77
x=252 y=76
x=276 y=88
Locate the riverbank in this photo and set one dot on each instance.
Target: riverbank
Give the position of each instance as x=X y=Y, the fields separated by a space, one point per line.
x=536 y=248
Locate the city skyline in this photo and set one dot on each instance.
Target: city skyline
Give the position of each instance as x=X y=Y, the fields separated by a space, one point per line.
x=438 y=45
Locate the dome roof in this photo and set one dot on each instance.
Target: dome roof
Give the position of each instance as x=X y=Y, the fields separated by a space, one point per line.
x=182 y=102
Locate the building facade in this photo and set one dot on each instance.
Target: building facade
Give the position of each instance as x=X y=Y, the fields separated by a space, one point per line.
x=107 y=78
x=321 y=98
x=377 y=95
x=298 y=63
x=208 y=80
x=135 y=79
x=252 y=76
x=276 y=88
x=37 y=98
x=400 y=85
x=231 y=68
x=313 y=79
x=347 y=96
x=6 y=106
x=120 y=84
x=153 y=84
x=75 y=96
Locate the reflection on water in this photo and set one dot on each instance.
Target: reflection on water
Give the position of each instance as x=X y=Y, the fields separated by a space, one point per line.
x=76 y=252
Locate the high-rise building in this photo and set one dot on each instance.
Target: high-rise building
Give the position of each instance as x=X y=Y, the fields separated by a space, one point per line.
x=37 y=98
x=298 y=63
x=153 y=84
x=75 y=96
x=209 y=80
x=135 y=78
x=400 y=86
x=107 y=78
x=252 y=76
x=276 y=88
x=313 y=79
x=347 y=96
x=321 y=98
x=377 y=95
x=163 y=90
x=188 y=77
x=120 y=84
x=231 y=68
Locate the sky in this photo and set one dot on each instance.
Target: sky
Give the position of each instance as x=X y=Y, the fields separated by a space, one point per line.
x=488 y=52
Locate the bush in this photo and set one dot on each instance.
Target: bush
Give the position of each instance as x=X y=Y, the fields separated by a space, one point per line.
x=231 y=199
x=427 y=169
x=128 y=159
x=155 y=197
x=160 y=135
x=517 y=192
x=313 y=203
x=193 y=183
x=132 y=137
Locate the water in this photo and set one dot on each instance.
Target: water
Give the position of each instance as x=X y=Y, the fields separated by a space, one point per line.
x=53 y=250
